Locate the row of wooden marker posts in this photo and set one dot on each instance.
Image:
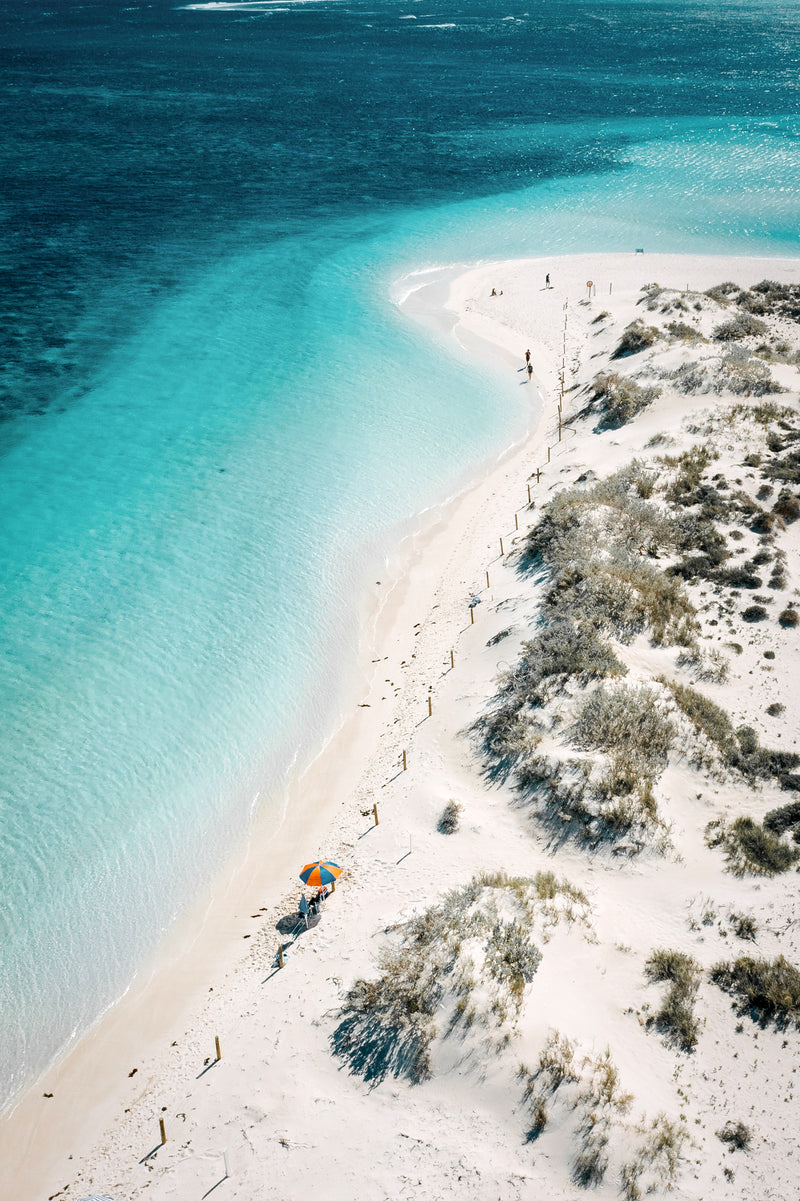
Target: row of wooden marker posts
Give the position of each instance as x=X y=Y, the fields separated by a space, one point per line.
x=280 y=957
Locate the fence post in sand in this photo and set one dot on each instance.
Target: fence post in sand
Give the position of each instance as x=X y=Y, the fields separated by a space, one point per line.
x=502 y=552
x=488 y=585
x=281 y=961
x=405 y=762
x=452 y=660
x=163 y=1130
x=548 y=454
x=472 y=617
x=375 y=813
x=430 y=707
x=216 y=1044
x=529 y=494
x=516 y=522
x=559 y=427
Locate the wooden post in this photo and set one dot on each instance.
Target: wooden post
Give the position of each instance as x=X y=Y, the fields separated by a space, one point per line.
x=405 y=762
x=452 y=660
x=488 y=585
x=559 y=427
x=529 y=494
x=516 y=522
x=216 y=1044
x=430 y=706
x=281 y=961
x=548 y=454
x=502 y=552
x=163 y=1130
x=538 y=474
x=375 y=812
x=472 y=617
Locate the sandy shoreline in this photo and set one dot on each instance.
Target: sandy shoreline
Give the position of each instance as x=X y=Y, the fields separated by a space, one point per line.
x=38 y=1133
x=107 y=1119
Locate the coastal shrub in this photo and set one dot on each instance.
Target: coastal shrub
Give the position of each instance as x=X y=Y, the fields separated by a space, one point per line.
x=787 y=506
x=637 y=337
x=619 y=399
x=712 y=667
x=744 y=926
x=565 y=650
x=707 y=718
x=738 y=372
x=684 y=332
x=776 y=709
x=760 y=763
x=626 y=720
x=786 y=817
x=767 y=988
x=450 y=817
x=675 y=1019
x=691 y=466
x=751 y=849
x=722 y=292
x=743 y=325
x=741 y=576
x=689 y=378
x=736 y=1135
x=754 y=613
x=789 y=619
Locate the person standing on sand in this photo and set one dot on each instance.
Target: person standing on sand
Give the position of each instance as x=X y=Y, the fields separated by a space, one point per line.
x=527 y=356
x=547 y=280
x=530 y=372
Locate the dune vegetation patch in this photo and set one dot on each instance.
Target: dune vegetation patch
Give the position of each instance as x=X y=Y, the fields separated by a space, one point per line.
x=466 y=962
x=619 y=398
x=750 y=848
x=767 y=989
x=675 y=1018
x=583 y=1095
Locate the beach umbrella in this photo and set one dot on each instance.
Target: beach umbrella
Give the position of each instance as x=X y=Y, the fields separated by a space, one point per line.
x=319 y=873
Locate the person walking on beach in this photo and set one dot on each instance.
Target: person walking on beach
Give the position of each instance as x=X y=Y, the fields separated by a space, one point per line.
x=527 y=356
x=547 y=280
x=530 y=371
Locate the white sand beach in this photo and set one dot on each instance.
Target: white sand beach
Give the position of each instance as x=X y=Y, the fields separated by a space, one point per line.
x=534 y=1056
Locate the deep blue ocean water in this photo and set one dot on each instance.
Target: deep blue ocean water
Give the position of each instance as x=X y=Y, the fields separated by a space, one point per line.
x=212 y=413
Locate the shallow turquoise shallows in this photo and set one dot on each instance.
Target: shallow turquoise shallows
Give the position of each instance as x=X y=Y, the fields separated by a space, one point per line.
x=232 y=419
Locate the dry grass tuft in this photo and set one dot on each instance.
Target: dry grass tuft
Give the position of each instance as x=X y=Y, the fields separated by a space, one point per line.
x=769 y=989
x=675 y=1019
x=751 y=849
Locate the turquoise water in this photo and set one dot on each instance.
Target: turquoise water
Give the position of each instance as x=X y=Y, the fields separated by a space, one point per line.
x=238 y=418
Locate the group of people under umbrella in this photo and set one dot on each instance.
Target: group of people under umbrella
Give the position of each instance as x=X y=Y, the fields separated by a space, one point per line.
x=321 y=875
